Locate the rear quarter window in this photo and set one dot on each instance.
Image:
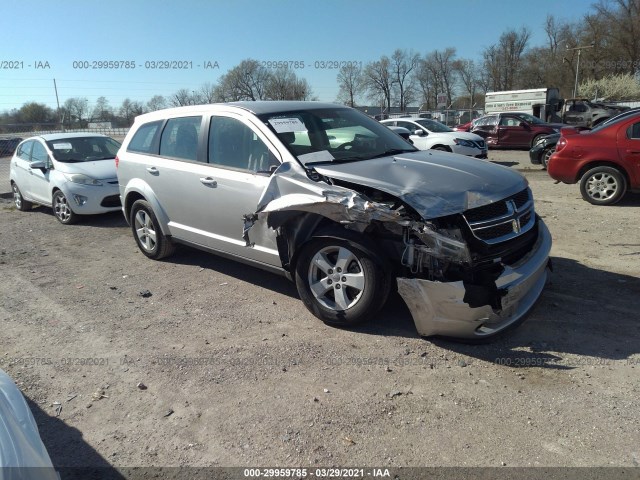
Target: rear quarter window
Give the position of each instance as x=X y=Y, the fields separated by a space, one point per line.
x=143 y=140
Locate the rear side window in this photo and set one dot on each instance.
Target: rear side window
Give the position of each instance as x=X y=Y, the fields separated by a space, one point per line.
x=633 y=132
x=180 y=138
x=142 y=140
x=24 y=151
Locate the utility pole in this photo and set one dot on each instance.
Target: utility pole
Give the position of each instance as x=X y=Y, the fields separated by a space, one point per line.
x=579 y=49
x=55 y=87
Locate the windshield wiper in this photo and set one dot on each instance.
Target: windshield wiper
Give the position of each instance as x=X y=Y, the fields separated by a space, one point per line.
x=393 y=151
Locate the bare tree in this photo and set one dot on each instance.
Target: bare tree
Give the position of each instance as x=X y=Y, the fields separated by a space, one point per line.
x=403 y=63
x=130 y=109
x=623 y=18
x=102 y=110
x=467 y=72
x=439 y=66
x=78 y=109
x=182 y=97
x=157 y=102
x=246 y=81
x=350 y=83
x=427 y=83
x=207 y=93
x=379 y=81
x=502 y=60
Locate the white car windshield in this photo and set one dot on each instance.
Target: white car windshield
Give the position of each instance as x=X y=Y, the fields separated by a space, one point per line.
x=83 y=149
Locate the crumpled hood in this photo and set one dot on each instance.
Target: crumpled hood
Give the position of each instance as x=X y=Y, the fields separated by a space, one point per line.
x=434 y=183
x=99 y=169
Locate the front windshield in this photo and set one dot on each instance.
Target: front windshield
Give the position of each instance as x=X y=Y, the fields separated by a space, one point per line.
x=334 y=134
x=83 y=149
x=530 y=118
x=434 y=126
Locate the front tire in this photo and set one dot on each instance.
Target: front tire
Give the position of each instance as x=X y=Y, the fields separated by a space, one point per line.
x=62 y=210
x=603 y=186
x=339 y=282
x=146 y=230
x=19 y=201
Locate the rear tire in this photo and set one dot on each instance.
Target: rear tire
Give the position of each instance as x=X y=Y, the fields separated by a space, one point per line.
x=19 y=201
x=147 y=233
x=441 y=148
x=603 y=186
x=339 y=282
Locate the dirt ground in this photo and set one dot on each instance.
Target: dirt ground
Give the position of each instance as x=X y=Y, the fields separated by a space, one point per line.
x=223 y=366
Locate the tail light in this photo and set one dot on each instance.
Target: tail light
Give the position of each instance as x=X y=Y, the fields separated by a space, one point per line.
x=117 y=161
x=561 y=144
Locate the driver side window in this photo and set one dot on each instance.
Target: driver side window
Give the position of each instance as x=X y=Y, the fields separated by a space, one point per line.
x=39 y=153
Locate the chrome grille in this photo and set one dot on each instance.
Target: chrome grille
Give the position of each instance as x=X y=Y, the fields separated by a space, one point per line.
x=503 y=220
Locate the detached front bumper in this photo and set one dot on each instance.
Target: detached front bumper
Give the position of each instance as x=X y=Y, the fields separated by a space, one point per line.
x=438 y=308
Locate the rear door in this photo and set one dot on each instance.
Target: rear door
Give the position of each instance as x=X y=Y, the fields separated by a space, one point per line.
x=21 y=161
x=513 y=131
x=629 y=150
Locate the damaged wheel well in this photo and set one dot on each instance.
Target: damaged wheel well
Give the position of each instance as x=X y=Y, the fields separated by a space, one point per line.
x=300 y=229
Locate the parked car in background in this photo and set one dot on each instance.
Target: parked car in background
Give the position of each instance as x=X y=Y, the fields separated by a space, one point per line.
x=543 y=149
x=580 y=112
x=464 y=127
x=8 y=146
x=22 y=454
x=432 y=135
x=403 y=132
x=513 y=130
x=74 y=173
x=332 y=199
x=605 y=160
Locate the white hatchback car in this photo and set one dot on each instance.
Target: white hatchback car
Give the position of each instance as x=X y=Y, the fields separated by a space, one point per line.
x=75 y=173
x=432 y=135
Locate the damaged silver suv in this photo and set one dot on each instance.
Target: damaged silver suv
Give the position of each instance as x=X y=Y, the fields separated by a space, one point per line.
x=343 y=206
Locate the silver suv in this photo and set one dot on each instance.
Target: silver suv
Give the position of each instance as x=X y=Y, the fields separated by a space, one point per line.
x=343 y=206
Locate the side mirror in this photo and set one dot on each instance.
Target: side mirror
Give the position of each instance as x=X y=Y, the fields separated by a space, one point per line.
x=419 y=132
x=523 y=125
x=38 y=164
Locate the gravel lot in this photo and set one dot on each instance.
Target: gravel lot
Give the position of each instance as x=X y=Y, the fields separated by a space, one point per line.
x=236 y=372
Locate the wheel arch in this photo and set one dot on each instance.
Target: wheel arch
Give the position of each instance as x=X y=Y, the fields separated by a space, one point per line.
x=602 y=163
x=141 y=191
x=298 y=231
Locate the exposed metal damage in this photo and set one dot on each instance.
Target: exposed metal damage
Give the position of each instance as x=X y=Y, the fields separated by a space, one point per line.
x=436 y=277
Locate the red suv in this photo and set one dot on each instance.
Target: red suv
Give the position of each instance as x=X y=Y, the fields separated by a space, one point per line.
x=520 y=130
x=605 y=160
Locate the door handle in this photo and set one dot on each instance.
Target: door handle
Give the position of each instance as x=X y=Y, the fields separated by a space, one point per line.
x=635 y=152
x=153 y=170
x=208 y=181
